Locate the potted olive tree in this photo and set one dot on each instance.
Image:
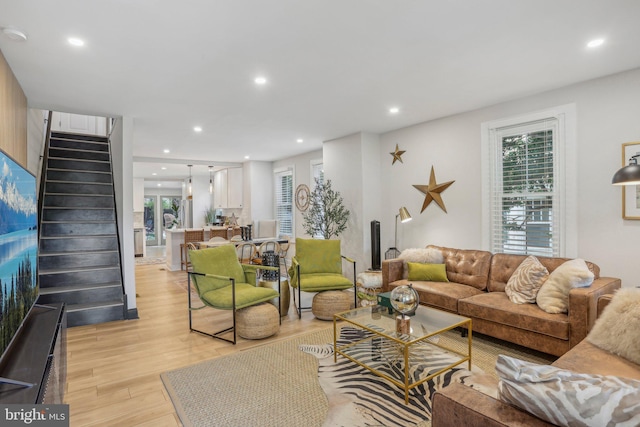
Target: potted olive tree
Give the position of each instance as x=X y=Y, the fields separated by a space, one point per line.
x=327 y=216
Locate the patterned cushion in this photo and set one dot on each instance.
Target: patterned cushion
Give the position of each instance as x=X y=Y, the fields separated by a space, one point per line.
x=567 y=398
x=428 y=272
x=423 y=255
x=616 y=330
x=318 y=256
x=526 y=280
x=553 y=296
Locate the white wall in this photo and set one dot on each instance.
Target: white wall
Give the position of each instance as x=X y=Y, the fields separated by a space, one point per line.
x=258 y=195
x=607 y=116
x=122 y=152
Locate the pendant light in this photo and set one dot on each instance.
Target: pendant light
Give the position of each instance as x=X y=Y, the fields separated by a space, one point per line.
x=190 y=188
x=210 y=180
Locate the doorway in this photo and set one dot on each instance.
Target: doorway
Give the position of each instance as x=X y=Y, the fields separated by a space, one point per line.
x=155 y=206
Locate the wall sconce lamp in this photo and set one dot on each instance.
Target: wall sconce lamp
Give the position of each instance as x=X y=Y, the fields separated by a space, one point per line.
x=628 y=175
x=190 y=188
x=210 y=180
x=404 y=216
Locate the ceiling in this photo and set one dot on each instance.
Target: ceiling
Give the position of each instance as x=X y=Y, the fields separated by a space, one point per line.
x=333 y=67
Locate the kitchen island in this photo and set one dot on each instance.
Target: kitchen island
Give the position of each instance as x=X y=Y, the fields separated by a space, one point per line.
x=175 y=237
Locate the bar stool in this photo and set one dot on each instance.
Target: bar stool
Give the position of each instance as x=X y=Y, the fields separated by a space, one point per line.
x=190 y=236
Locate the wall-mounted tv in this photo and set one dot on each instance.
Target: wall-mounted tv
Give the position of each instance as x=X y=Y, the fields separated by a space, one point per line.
x=18 y=247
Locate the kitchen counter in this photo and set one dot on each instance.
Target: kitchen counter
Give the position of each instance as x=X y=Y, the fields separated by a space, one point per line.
x=175 y=237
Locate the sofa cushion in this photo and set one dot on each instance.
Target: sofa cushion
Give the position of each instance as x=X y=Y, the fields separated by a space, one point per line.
x=442 y=295
x=553 y=296
x=467 y=267
x=503 y=266
x=496 y=307
x=427 y=272
x=565 y=397
x=616 y=330
x=428 y=255
x=590 y=359
x=526 y=280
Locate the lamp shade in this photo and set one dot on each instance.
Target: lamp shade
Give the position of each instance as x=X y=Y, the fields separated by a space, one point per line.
x=404 y=215
x=628 y=175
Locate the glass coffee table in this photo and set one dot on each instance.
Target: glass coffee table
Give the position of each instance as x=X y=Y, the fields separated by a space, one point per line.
x=392 y=355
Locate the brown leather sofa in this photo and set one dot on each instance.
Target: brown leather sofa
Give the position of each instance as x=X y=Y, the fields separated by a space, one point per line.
x=476 y=290
x=459 y=405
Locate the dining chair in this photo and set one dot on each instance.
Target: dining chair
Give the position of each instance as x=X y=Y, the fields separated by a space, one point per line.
x=190 y=236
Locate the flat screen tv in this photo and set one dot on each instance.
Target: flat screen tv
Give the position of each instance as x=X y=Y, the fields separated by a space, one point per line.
x=18 y=248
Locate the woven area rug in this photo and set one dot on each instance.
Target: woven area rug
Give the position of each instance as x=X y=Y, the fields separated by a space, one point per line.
x=150 y=261
x=278 y=385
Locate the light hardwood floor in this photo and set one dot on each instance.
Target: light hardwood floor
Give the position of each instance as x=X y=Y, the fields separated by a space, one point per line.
x=113 y=369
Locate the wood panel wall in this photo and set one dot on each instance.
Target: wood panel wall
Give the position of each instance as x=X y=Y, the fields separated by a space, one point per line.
x=13 y=115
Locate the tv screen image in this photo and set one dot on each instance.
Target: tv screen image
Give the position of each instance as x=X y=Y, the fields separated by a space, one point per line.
x=18 y=247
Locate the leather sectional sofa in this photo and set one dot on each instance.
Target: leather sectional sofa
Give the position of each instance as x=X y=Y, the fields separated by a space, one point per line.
x=477 y=281
x=460 y=405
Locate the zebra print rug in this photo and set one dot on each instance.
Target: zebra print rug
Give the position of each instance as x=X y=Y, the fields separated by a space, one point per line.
x=357 y=397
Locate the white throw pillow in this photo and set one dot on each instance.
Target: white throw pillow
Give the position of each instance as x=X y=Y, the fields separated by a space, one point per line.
x=525 y=282
x=616 y=330
x=553 y=296
x=423 y=255
x=567 y=398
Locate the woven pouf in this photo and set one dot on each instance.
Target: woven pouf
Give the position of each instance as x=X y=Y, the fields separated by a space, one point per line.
x=258 y=321
x=326 y=304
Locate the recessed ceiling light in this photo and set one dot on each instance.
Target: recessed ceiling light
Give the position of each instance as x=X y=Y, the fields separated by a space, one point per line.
x=595 y=43
x=15 y=35
x=159 y=185
x=154 y=174
x=166 y=151
x=246 y=157
x=299 y=140
x=197 y=129
x=164 y=168
x=260 y=80
x=394 y=110
x=73 y=41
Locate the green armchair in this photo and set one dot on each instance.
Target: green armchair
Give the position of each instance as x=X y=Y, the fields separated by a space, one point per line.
x=317 y=267
x=223 y=283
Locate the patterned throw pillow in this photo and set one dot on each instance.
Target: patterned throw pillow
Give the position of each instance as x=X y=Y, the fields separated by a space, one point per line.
x=423 y=255
x=526 y=280
x=567 y=398
x=553 y=296
x=616 y=330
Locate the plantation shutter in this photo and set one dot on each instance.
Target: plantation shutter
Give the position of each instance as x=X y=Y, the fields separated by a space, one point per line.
x=284 y=201
x=524 y=205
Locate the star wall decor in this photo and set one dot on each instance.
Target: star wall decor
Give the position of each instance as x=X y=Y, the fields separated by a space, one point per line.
x=432 y=191
x=397 y=155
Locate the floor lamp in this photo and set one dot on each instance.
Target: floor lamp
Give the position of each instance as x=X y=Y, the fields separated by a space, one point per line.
x=404 y=216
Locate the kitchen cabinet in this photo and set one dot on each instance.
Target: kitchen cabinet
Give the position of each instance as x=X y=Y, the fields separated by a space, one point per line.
x=227 y=188
x=77 y=123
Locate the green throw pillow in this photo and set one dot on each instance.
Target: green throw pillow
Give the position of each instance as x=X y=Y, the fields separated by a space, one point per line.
x=318 y=256
x=427 y=272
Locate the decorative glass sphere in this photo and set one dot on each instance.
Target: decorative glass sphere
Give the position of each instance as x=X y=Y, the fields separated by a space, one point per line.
x=404 y=299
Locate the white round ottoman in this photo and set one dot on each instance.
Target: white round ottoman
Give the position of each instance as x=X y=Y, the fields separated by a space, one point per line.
x=258 y=321
x=327 y=303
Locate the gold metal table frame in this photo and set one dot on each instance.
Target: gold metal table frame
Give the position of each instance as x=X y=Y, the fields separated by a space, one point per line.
x=426 y=324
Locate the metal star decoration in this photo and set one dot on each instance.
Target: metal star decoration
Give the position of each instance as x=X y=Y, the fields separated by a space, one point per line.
x=397 y=155
x=432 y=191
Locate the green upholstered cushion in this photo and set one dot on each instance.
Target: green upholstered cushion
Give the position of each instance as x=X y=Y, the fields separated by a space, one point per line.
x=318 y=256
x=221 y=261
x=428 y=272
x=322 y=282
x=246 y=295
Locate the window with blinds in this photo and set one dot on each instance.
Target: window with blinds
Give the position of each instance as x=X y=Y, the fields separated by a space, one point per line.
x=524 y=198
x=284 y=201
x=317 y=172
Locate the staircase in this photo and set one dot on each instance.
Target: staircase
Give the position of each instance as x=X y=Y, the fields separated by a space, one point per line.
x=79 y=256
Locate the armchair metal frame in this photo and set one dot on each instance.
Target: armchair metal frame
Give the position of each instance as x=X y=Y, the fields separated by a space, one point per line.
x=218 y=334
x=299 y=307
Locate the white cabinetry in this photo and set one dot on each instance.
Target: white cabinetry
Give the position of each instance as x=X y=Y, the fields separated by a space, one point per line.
x=77 y=123
x=227 y=188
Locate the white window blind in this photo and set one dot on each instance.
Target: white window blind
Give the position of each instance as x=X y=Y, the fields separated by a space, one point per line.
x=524 y=200
x=284 y=201
x=317 y=172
